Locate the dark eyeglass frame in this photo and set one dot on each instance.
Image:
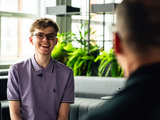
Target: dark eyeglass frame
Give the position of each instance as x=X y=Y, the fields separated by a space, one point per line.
x=41 y=36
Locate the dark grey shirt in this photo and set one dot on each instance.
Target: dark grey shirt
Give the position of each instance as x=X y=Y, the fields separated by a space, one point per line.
x=139 y=100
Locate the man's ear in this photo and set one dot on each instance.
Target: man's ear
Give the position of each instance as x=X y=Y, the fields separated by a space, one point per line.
x=31 y=40
x=56 y=41
x=117 y=43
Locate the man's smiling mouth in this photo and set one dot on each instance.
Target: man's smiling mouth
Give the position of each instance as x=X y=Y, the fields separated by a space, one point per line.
x=45 y=46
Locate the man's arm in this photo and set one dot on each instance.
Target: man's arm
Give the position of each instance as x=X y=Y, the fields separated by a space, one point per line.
x=14 y=107
x=63 y=111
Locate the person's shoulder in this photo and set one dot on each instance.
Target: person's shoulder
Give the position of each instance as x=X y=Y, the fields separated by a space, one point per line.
x=60 y=65
x=21 y=64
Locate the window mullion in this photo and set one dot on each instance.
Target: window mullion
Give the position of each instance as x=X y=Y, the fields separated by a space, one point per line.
x=18 y=14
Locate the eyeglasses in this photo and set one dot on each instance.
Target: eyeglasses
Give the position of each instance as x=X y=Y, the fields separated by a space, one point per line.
x=41 y=36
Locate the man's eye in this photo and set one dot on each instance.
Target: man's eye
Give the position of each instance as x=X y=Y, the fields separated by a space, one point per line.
x=51 y=36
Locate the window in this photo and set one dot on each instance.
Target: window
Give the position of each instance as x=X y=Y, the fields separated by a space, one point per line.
x=96 y=21
x=26 y=6
x=16 y=17
x=14 y=37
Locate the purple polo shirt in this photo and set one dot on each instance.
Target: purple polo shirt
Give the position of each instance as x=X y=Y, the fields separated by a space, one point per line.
x=40 y=91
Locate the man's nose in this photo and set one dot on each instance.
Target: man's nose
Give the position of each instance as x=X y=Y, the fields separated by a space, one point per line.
x=45 y=38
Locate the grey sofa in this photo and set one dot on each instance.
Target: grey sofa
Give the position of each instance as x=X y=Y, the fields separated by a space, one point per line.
x=91 y=92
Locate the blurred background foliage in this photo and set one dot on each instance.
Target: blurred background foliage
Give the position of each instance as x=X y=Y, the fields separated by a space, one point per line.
x=84 y=62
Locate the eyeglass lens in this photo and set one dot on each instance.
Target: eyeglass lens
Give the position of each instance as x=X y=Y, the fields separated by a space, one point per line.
x=41 y=36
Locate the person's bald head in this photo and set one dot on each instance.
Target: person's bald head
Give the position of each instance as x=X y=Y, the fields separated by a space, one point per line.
x=138 y=23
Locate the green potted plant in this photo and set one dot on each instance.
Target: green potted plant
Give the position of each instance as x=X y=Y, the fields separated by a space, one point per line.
x=63 y=46
x=108 y=64
x=79 y=59
x=94 y=63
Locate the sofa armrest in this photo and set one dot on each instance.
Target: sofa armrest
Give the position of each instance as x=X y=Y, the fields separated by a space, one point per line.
x=106 y=97
x=4 y=72
x=5 y=115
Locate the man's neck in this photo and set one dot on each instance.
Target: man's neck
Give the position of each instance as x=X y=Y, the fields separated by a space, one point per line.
x=134 y=64
x=42 y=60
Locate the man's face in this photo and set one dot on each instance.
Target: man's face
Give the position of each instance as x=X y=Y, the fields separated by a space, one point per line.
x=44 y=40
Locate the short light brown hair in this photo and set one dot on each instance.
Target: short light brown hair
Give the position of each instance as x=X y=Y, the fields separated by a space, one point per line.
x=43 y=23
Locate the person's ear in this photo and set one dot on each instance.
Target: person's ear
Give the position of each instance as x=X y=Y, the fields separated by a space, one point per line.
x=56 y=41
x=31 y=40
x=117 y=43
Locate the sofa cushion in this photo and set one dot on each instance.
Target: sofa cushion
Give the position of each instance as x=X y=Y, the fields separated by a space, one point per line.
x=82 y=106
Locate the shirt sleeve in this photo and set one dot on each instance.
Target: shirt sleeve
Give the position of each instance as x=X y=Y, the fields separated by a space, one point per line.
x=12 y=85
x=68 y=96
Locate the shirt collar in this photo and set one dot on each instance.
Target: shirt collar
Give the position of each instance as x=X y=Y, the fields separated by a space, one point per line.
x=37 y=67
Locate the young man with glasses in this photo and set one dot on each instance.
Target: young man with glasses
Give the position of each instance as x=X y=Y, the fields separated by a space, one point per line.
x=137 y=48
x=40 y=88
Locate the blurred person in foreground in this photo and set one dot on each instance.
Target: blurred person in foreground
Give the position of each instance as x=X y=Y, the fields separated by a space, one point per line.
x=40 y=88
x=137 y=48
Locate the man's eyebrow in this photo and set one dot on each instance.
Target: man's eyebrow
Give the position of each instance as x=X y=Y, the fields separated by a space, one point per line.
x=40 y=33
x=51 y=33
x=47 y=34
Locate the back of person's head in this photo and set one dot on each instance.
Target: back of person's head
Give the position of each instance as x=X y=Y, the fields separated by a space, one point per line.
x=43 y=23
x=138 y=23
